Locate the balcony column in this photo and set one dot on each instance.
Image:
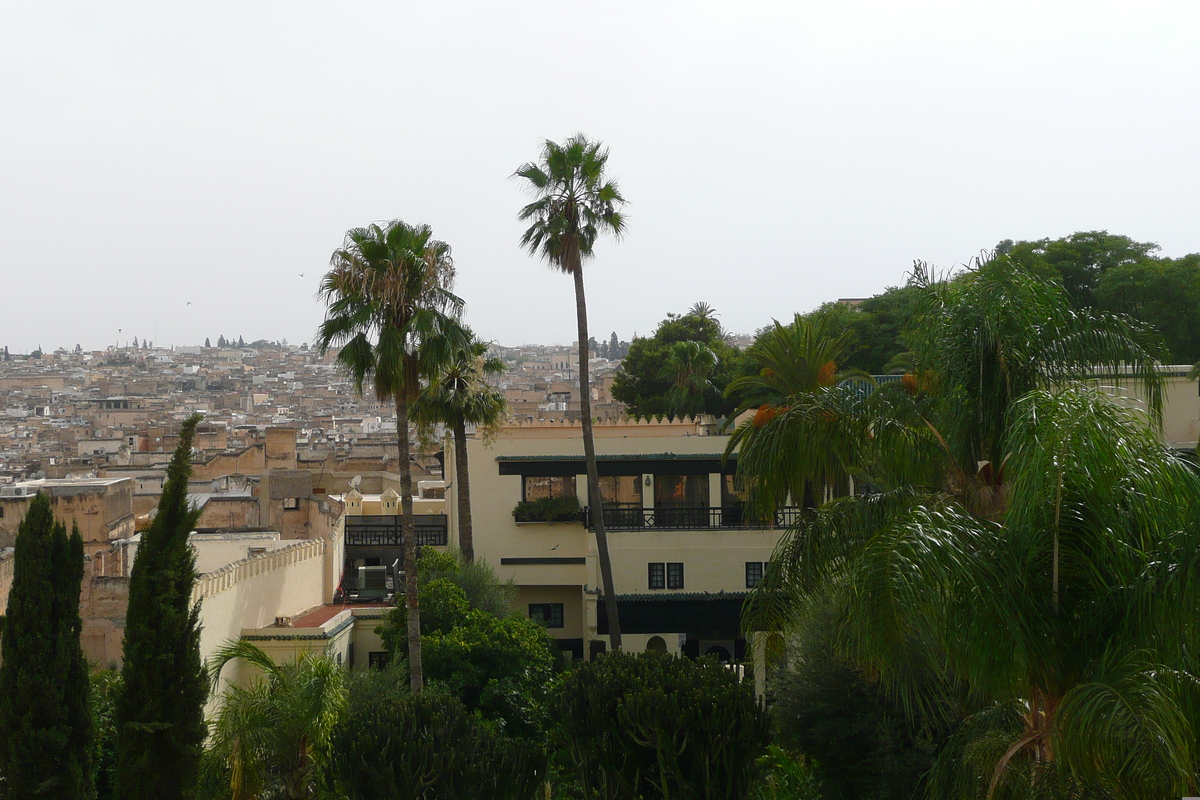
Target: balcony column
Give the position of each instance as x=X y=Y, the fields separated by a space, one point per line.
x=714 y=498
x=581 y=490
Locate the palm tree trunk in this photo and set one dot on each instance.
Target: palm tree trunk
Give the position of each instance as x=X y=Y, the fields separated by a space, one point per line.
x=416 y=675
x=593 y=475
x=466 y=537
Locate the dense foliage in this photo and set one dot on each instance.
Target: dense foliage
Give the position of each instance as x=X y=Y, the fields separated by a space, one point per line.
x=45 y=723
x=657 y=726
x=274 y=734
x=495 y=661
x=159 y=714
x=655 y=365
x=430 y=747
x=867 y=745
x=548 y=509
x=105 y=688
x=1002 y=466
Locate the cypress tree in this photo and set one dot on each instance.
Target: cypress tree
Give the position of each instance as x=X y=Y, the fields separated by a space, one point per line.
x=160 y=709
x=45 y=724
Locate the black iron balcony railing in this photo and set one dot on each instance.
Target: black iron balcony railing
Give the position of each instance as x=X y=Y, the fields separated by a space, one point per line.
x=692 y=518
x=385 y=530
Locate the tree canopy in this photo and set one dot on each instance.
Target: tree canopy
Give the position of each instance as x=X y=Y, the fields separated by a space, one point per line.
x=645 y=383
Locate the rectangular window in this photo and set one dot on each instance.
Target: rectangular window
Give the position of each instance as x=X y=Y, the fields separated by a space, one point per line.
x=680 y=491
x=621 y=491
x=536 y=488
x=657 y=579
x=674 y=575
x=754 y=573
x=377 y=659
x=549 y=614
x=291 y=504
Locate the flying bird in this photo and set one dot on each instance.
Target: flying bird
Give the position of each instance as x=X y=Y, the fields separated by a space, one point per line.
x=189 y=302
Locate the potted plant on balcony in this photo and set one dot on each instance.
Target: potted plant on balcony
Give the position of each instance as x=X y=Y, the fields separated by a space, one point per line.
x=548 y=509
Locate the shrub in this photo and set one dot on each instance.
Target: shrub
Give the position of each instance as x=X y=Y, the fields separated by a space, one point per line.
x=495 y=661
x=785 y=777
x=548 y=509
x=429 y=747
x=656 y=726
x=866 y=745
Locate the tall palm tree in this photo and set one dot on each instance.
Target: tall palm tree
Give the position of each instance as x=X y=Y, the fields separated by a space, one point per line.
x=274 y=736
x=459 y=396
x=1034 y=546
x=574 y=202
x=395 y=320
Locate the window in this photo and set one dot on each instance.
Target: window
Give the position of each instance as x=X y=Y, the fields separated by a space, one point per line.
x=549 y=614
x=291 y=504
x=657 y=578
x=377 y=659
x=676 y=491
x=621 y=490
x=537 y=488
x=674 y=575
x=754 y=573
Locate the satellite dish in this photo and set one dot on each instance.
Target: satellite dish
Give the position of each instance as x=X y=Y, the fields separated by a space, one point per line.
x=355 y=481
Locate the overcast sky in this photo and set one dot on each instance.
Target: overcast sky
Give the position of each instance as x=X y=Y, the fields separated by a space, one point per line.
x=776 y=155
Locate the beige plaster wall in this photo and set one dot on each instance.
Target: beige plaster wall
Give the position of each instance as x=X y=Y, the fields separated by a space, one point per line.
x=252 y=592
x=6 y=576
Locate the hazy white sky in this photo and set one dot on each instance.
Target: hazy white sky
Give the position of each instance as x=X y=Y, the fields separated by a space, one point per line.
x=777 y=155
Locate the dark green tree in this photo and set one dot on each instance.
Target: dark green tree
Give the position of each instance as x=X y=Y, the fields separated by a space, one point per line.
x=644 y=381
x=159 y=715
x=1077 y=262
x=655 y=726
x=45 y=725
x=497 y=662
x=614 y=347
x=1163 y=293
x=427 y=747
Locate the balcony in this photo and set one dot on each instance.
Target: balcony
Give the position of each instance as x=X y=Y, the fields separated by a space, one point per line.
x=384 y=530
x=692 y=518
